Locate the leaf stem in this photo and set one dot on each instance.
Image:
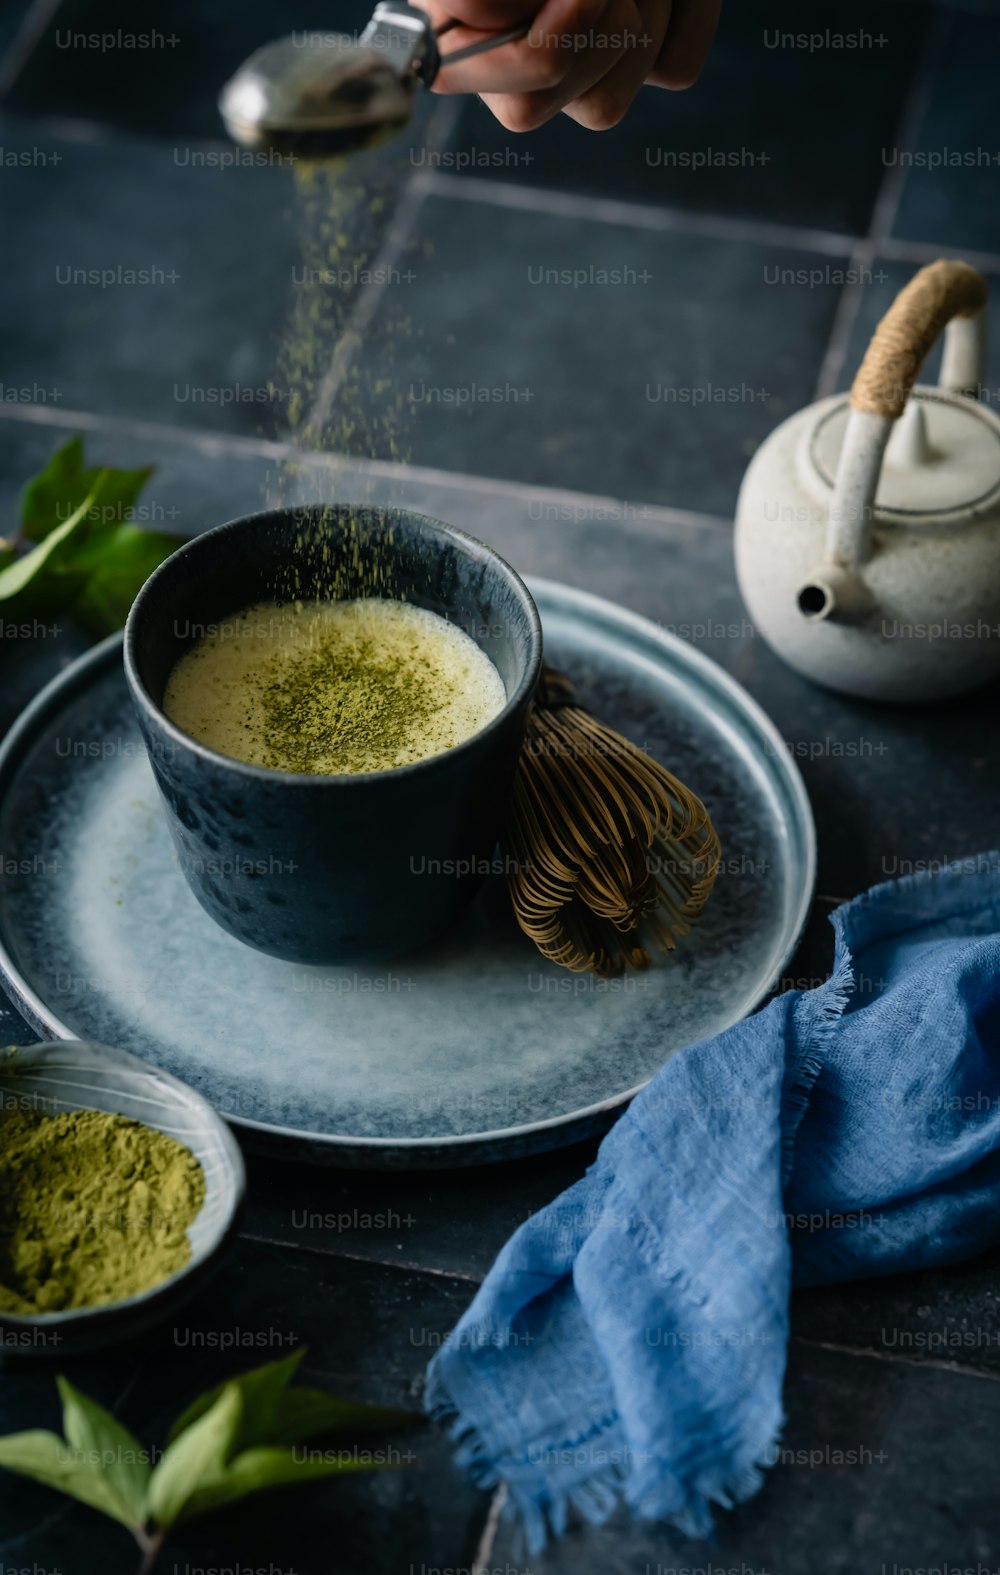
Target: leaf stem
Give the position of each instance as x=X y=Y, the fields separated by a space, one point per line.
x=151 y=1545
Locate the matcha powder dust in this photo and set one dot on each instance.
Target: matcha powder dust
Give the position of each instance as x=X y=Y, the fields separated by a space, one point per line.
x=93 y=1208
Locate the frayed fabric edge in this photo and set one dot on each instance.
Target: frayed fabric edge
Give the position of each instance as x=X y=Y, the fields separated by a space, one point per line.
x=539 y=1519
x=712 y=1489
x=904 y=902
x=471 y=1454
x=816 y=1016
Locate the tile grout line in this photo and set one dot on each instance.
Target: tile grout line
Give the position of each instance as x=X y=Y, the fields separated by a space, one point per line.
x=457 y=1278
x=957 y=1369
x=618 y=511
x=844 y=319
x=884 y=211
x=627 y=213
x=58 y=1513
x=896 y=250
x=454 y=1276
x=362 y=313
x=443 y=123
x=867 y=1353
x=636 y=215
x=667 y=220
x=25 y=42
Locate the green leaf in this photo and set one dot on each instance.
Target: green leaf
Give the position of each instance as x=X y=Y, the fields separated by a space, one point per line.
x=117 y=492
x=63 y=485
x=45 y=1457
x=46 y=496
x=305 y=1413
x=39 y=572
x=260 y=1390
x=117 y=565
x=93 y=561
x=258 y=1469
x=104 y=1443
x=199 y=1455
x=275 y=1414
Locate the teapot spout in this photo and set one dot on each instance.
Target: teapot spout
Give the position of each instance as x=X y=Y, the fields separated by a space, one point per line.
x=834 y=592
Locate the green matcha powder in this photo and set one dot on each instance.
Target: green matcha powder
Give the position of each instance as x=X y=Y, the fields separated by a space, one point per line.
x=358 y=705
x=93 y=1208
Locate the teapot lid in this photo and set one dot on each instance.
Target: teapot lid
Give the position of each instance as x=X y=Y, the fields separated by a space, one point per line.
x=943 y=456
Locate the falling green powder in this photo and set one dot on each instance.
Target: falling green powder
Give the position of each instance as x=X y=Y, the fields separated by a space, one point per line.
x=341 y=391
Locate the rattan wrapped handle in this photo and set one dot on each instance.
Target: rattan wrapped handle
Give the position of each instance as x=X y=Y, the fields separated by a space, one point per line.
x=901 y=341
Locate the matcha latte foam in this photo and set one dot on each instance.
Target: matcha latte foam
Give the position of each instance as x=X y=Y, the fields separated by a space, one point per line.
x=334 y=688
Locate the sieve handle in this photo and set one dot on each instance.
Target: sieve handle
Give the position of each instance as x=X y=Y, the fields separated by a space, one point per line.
x=491 y=41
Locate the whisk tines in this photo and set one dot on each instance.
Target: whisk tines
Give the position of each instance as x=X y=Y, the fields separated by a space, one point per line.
x=606 y=848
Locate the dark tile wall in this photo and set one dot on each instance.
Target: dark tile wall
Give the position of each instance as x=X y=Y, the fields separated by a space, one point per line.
x=950 y=191
x=767 y=136
x=11 y=20
x=155 y=279
x=674 y=332
x=112 y=309
x=168 y=84
x=701 y=311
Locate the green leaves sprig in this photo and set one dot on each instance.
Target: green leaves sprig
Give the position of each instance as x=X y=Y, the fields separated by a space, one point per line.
x=238 y=1439
x=88 y=558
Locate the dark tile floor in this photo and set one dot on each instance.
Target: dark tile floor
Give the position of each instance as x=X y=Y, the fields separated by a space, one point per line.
x=368 y=1333
x=863 y=1443
x=892 y=1395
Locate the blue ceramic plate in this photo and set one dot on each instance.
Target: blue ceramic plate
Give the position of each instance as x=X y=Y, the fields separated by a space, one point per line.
x=475 y=1051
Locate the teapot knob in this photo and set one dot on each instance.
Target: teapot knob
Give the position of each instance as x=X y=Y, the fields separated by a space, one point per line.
x=908 y=445
x=945 y=295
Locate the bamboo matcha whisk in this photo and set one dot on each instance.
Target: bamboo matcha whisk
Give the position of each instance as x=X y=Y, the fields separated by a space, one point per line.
x=605 y=845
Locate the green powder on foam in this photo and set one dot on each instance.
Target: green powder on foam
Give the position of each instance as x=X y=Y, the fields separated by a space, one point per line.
x=360 y=707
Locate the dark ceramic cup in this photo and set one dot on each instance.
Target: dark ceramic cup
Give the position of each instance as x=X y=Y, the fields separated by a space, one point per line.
x=334 y=869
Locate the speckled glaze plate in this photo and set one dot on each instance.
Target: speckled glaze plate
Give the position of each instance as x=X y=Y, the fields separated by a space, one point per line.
x=468 y=1053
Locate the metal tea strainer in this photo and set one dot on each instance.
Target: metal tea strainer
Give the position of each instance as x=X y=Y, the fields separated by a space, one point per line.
x=321 y=95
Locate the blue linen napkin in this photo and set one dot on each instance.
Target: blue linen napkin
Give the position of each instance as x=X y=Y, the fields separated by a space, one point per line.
x=629 y=1342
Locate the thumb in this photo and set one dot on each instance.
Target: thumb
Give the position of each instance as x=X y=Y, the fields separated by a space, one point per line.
x=485 y=16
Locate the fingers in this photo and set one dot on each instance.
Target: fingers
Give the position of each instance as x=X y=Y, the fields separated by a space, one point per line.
x=596 y=52
x=604 y=105
x=485 y=16
x=686 y=46
x=587 y=57
x=540 y=62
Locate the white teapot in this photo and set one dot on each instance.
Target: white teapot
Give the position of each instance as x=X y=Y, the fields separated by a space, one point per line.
x=868 y=525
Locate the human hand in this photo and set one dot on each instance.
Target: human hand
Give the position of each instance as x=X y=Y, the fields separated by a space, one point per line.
x=588 y=58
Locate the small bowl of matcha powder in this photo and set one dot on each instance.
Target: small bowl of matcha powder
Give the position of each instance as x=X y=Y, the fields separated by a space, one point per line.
x=118 y=1188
